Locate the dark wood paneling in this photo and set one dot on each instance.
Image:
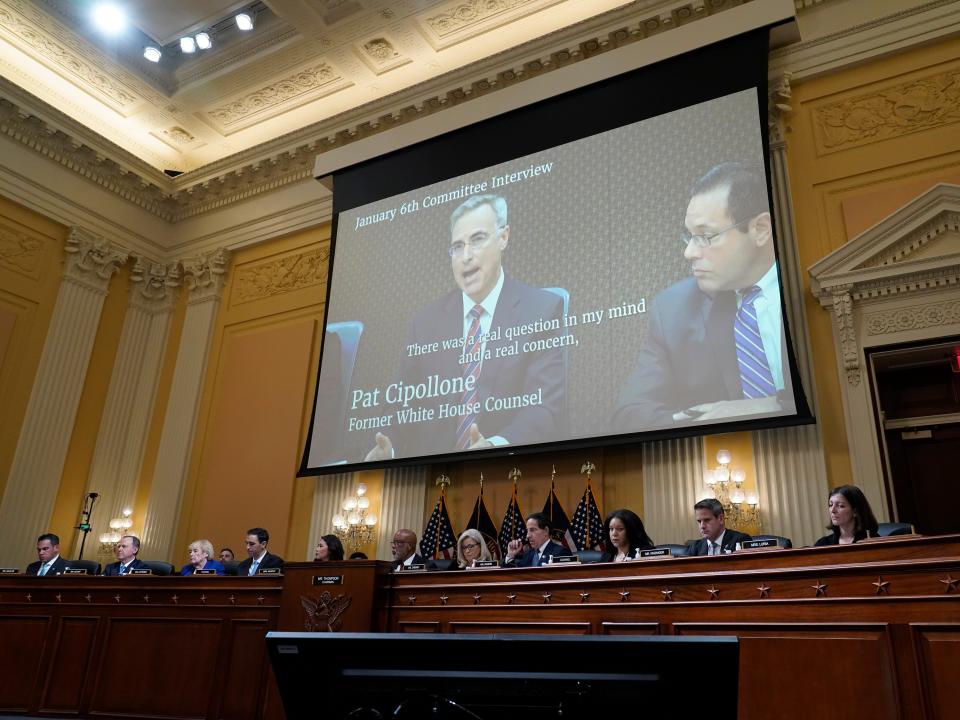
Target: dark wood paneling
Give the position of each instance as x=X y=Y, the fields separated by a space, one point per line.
x=792 y=670
x=22 y=639
x=938 y=652
x=549 y=628
x=416 y=626
x=178 y=674
x=630 y=628
x=70 y=655
x=246 y=656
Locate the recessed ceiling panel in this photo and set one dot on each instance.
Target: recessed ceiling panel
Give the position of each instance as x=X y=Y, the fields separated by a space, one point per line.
x=166 y=21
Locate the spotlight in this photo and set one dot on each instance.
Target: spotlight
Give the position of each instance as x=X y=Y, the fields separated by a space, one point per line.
x=109 y=18
x=244 y=21
x=188 y=45
x=152 y=54
x=203 y=41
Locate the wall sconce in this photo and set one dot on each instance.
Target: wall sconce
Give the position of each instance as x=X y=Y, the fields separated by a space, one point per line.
x=741 y=508
x=354 y=526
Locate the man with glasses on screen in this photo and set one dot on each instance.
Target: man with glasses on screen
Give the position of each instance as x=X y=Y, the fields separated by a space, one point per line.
x=715 y=345
x=509 y=396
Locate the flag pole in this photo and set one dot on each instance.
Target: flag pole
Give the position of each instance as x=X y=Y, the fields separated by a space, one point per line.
x=442 y=480
x=587 y=469
x=514 y=475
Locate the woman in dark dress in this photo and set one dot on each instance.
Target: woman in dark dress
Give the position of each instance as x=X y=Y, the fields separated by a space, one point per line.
x=851 y=519
x=329 y=547
x=624 y=534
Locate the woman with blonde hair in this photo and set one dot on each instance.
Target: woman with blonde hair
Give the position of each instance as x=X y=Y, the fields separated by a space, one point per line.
x=201 y=558
x=471 y=547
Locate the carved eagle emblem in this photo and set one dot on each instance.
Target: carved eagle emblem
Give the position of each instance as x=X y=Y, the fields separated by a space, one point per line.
x=324 y=612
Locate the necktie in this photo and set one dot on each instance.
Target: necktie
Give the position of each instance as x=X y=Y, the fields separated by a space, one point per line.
x=253 y=567
x=537 y=558
x=123 y=569
x=471 y=347
x=756 y=380
x=43 y=570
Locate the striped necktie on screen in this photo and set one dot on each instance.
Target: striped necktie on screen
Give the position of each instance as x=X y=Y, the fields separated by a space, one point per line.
x=755 y=376
x=471 y=347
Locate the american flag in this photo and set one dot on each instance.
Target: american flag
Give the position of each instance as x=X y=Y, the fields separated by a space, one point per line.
x=514 y=526
x=587 y=525
x=480 y=520
x=559 y=522
x=438 y=539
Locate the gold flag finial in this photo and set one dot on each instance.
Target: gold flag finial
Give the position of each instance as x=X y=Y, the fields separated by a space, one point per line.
x=442 y=480
x=587 y=469
x=514 y=474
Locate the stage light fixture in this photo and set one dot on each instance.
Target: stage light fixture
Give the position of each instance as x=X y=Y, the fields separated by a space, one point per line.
x=187 y=45
x=203 y=41
x=244 y=21
x=152 y=54
x=109 y=18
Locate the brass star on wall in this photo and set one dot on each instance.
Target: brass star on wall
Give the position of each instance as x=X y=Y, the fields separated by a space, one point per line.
x=510 y=598
x=881 y=586
x=667 y=594
x=584 y=596
x=820 y=588
x=146 y=598
x=714 y=592
x=411 y=599
x=624 y=594
x=950 y=584
x=175 y=599
x=443 y=599
x=764 y=590
x=476 y=599
x=546 y=597
x=59 y=597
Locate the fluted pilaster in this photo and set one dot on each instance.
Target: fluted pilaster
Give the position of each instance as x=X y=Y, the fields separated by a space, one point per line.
x=330 y=491
x=672 y=477
x=41 y=451
x=205 y=277
x=791 y=473
x=404 y=493
x=115 y=467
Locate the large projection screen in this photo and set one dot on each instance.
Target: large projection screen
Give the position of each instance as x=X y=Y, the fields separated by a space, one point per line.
x=554 y=296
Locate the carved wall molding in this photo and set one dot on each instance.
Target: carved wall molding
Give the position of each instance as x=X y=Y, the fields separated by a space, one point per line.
x=843 y=320
x=206 y=274
x=778 y=107
x=281 y=275
x=920 y=237
x=916 y=317
x=90 y=260
x=153 y=285
x=19 y=252
x=921 y=104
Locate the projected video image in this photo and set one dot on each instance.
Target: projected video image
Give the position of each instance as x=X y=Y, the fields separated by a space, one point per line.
x=622 y=283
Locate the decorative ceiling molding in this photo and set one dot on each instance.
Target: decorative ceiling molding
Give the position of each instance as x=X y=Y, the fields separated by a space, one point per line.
x=862 y=42
x=307 y=84
x=464 y=19
x=289 y=159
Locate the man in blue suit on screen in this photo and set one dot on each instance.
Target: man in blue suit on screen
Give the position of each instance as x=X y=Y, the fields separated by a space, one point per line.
x=715 y=345
x=469 y=381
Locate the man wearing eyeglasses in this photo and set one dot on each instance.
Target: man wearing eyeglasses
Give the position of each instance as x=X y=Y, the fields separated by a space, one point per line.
x=715 y=345
x=508 y=396
x=404 y=549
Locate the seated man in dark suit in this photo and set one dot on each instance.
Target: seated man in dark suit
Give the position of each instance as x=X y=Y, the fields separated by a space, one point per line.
x=50 y=562
x=507 y=398
x=260 y=559
x=127 y=559
x=404 y=547
x=715 y=345
x=541 y=546
x=716 y=539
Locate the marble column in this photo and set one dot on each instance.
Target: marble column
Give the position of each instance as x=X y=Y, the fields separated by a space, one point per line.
x=117 y=458
x=404 y=493
x=672 y=477
x=205 y=277
x=41 y=451
x=791 y=472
